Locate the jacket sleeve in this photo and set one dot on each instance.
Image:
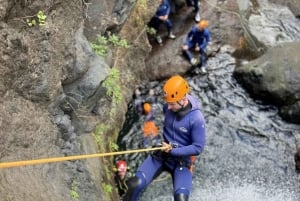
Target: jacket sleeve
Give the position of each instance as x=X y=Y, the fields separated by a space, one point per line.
x=206 y=39
x=189 y=35
x=167 y=3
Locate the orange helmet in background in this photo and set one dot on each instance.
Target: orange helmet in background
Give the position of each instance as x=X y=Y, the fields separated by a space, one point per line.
x=147 y=108
x=175 y=89
x=121 y=166
x=150 y=128
x=203 y=24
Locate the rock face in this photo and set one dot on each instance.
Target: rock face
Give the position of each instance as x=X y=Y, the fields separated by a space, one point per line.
x=274 y=78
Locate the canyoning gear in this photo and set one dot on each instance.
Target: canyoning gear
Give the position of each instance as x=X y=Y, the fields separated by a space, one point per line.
x=150 y=132
x=191 y=126
x=185 y=133
x=198 y=39
x=181 y=197
x=175 y=89
x=203 y=24
x=147 y=108
x=152 y=167
x=150 y=129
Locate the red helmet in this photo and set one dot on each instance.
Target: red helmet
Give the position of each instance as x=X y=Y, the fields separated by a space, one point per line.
x=121 y=165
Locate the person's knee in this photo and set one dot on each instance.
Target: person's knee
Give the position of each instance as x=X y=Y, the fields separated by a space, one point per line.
x=135 y=185
x=136 y=182
x=181 y=197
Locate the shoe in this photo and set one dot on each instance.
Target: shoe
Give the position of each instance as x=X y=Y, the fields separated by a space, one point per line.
x=194 y=61
x=171 y=36
x=203 y=70
x=198 y=17
x=196 y=71
x=158 y=39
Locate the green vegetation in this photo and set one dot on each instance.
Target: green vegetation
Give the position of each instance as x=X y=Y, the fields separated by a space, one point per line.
x=113 y=146
x=107 y=187
x=150 y=30
x=74 y=194
x=39 y=18
x=113 y=89
x=102 y=45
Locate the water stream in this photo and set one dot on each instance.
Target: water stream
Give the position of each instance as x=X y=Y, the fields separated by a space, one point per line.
x=249 y=154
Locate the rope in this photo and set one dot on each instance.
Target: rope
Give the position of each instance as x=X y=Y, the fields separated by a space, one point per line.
x=68 y=158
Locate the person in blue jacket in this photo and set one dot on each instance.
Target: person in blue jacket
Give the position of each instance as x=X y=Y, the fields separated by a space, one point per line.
x=197 y=39
x=183 y=138
x=162 y=17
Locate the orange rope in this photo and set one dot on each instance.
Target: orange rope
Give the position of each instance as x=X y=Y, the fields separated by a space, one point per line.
x=68 y=158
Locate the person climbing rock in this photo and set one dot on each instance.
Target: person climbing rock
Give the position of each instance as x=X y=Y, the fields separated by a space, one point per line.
x=197 y=39
x=183 y=137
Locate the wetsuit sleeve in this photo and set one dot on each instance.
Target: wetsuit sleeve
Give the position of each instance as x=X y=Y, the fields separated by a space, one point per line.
x=207 y=39
x=167 y=4
x=197 y=134
x=189 y=35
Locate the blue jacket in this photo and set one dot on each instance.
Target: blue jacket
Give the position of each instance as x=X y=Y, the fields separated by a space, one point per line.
x=163 y=9
x=197 y=36
x=188 y=133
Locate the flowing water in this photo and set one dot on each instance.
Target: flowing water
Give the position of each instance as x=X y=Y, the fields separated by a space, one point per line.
x=249 y=153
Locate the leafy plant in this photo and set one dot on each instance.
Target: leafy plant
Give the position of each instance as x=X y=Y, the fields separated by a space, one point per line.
x=112 y=88
x=150 y=30
x=114 y=146
x=107 y=187
x=39 y=18
x=102 y=44
x=74 y=194
x=101 y=47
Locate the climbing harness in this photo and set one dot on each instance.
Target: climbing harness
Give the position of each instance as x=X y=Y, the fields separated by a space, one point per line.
x=69 y=158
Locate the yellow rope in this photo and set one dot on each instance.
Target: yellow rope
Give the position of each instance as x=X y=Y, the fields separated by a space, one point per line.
x=68 y=158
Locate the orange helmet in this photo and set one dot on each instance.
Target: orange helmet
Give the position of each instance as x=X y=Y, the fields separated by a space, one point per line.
x=121 y=166
x=150 y=129
x=203 y=24
x=175 y=89
x=147 y=108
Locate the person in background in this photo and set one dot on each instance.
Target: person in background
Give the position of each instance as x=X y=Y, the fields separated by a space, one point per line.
x=196 y=5
x=121 y=176
x=183 y=138
x=162 y=17
x=151 y=135
x=197 y=38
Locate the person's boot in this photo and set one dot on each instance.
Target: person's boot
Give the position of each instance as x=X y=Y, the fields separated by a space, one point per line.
x=171 y=36
x=158 y=39
x=203 y=70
